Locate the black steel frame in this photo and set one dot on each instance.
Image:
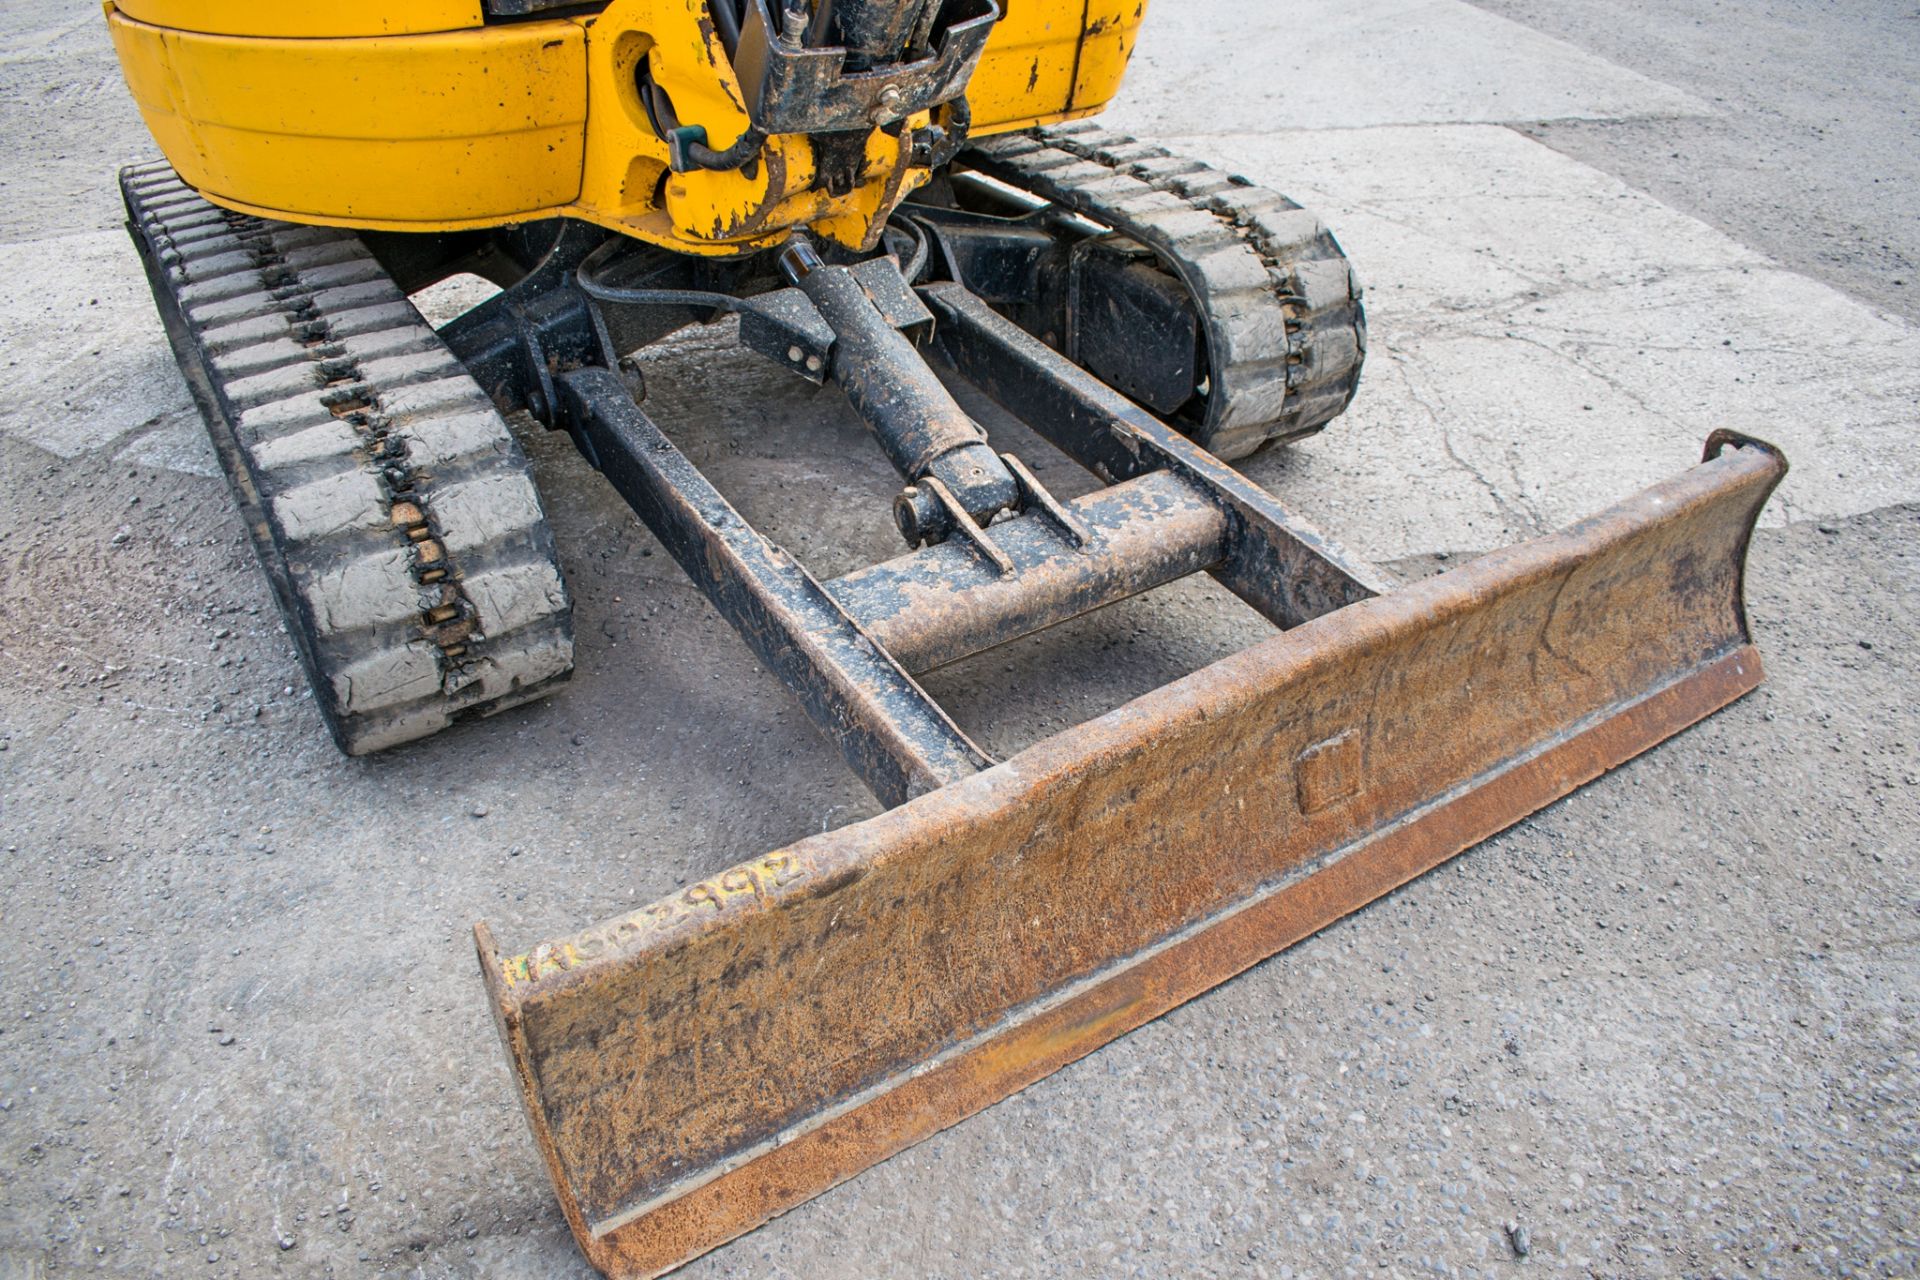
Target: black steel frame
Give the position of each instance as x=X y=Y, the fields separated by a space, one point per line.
x=553 y=343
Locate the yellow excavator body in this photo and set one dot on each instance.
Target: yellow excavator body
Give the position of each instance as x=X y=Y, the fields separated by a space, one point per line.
x=426 y=116
x=864 y=188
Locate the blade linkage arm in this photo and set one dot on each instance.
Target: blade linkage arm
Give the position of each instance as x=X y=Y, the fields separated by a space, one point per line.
x=941 y=604
x=1276 y=562
x=923 y=429
x=893 y=736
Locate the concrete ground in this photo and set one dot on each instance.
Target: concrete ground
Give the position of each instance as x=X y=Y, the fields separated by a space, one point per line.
x=1665 y=1028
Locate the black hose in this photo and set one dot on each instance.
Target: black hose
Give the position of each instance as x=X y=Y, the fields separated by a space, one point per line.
x=744 y=148
x=960 y=117
x=953 y=134
x=588 y=277
x=726 y=21
x=660 y=110
x=666 y=122
x=915 y=261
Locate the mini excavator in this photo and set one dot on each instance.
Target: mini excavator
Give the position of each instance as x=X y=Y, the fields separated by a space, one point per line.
x=865 y=189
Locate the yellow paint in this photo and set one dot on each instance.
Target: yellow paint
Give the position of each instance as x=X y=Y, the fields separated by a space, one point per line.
x=413 y=116
x=305 y=18
x=1052 y=60
x=1112 y=27
x=542 y=962
x=626 y=184
x=459 y=128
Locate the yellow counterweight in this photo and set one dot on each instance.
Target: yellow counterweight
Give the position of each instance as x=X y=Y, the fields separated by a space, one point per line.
x=423 y=116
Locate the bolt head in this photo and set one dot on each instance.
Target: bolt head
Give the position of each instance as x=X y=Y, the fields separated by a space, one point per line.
x=919 y=516
x=886 y=106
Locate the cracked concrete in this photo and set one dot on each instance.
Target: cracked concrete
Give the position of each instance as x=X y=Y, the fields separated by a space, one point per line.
x=1572 y=339
x=1808 y=154
x=1665 y=1028
x=1341 y=64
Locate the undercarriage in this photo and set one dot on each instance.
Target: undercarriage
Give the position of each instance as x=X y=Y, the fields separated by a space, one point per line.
x=716 y=1057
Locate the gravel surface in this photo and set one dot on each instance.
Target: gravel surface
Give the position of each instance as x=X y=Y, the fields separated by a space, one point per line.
x=1668 y=1027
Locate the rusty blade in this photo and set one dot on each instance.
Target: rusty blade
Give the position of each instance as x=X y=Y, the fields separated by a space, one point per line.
x=702 y=1064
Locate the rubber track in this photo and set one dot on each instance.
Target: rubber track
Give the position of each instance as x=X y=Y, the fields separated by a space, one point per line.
x=1287 y=334
x=388 y=502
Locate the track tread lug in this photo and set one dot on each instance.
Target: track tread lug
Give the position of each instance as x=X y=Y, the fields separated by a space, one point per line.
x=377 y=478
x=1281 y=306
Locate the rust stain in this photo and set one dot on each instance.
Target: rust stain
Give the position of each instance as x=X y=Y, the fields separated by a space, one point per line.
x=1328 y=772
x=700 y=1065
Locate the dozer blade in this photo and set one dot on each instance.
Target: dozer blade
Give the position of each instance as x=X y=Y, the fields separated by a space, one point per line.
x=705 y=1063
